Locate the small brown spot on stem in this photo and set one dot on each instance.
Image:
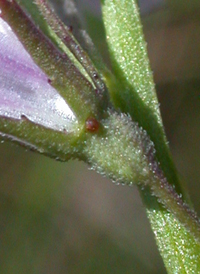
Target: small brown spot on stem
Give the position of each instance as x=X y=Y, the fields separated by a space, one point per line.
x=92 y=124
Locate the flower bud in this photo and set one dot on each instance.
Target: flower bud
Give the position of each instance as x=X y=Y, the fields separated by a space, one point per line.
x=45 y=94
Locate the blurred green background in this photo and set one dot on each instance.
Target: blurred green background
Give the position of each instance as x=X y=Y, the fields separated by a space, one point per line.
x=62 y=218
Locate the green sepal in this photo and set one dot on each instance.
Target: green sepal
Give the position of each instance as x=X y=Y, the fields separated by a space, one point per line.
x=63 y=74
x=59 y=145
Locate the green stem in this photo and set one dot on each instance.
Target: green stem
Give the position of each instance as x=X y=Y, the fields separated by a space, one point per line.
x=128 y=156
x=173 y=202
x=124 y=152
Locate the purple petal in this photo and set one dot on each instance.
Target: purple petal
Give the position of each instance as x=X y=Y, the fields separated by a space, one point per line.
x=24 y=88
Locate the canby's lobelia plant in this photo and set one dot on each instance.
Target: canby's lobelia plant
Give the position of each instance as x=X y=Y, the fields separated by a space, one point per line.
x=65 y=103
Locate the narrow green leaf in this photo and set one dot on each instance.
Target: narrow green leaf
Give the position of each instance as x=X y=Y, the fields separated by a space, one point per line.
x=132 y=88
x=132 y=91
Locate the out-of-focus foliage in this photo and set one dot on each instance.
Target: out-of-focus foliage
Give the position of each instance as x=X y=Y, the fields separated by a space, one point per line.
x=60 y=218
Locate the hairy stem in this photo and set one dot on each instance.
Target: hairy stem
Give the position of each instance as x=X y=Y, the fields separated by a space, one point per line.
x=173 y=202
x=125 y=153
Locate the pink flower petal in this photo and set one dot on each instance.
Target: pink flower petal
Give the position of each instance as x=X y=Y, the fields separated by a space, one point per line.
x=24 y=88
